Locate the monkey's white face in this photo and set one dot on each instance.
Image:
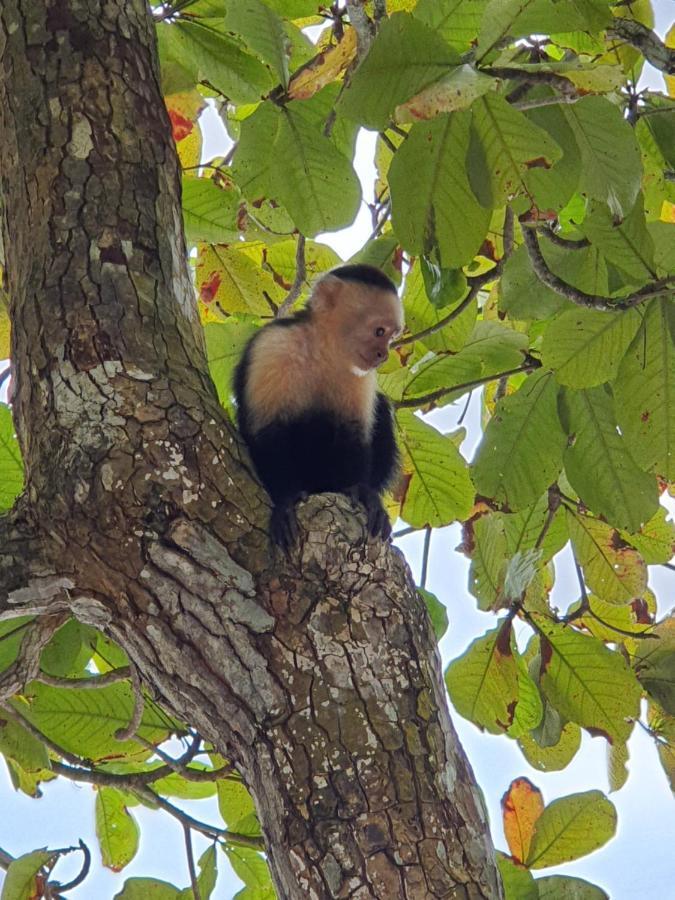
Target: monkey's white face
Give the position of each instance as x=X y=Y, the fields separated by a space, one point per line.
x=371 y=324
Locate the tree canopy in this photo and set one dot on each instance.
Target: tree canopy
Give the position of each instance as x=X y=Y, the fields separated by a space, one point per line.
x=524 y=201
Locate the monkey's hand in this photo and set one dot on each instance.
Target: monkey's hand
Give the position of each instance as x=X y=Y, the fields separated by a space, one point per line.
x=378 y=520
x=284 y=524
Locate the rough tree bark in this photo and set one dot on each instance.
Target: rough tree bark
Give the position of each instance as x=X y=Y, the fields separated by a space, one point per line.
x=319 y=678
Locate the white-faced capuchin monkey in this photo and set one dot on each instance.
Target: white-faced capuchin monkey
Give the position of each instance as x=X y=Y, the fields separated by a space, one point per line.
x=307 y=400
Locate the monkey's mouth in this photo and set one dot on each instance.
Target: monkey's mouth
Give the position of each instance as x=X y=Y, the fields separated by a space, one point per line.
x=368 y=362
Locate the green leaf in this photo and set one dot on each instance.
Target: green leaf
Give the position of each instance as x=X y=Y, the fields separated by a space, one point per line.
x=585 y=346
x=599 y=464
x=571 y=827
x=517 y=881
x=20 y=745
x=12 y=632
x=586 y=682
x=437 y=208
x=525 y=297
x=253 y=871
x=617 y=766
x=147 y=889
x=314 y=181
x=262 y=31
x=236 y=807
x=68 y=651
x=521 y=451
x=626 y=244
x=556 y=757
x=645 y=390
x=454 y=91
x=655 y=664
x=117 y=831
x=84 y=722
x=200 y=46
x=655 y=542
x=562 y=887
x=255 y=151
x=524 y=529
x=442 y=286
x=613 y=570
x=437 y=612
x=456 y=21
x=21 y=882
x=616 y=624
x=225 y=342
x=483 y=681
x=554 y=187
x=488 y=563
x=174 y=785
x=439 y=489
x=230 y=279
x=516 y=18
x=405 y=57
x=611 y=168
x=209 y=212
x=11 y=467
x=511 y=145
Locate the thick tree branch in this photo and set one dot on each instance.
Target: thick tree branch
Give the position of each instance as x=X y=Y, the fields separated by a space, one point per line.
x=434 y=396
x=360 y=22
x=581 y=298
x=646 y=41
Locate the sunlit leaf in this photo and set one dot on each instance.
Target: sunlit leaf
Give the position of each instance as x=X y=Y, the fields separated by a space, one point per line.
x=517 y=881
x=437 y=612
x=562 y=887
x=209 y=211
x=556 y=757
x=586 y=682
x=454 y=91
x=571 y=827
x=439 y=489
x=457 y=21
x=655 y=664
x=612 y=569
x=483 y=681
x=323 y=68
x=21 y=881
x=11 y=467
x=116 y=829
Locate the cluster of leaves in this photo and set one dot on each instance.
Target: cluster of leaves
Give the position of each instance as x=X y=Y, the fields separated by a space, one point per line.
x=525 y=200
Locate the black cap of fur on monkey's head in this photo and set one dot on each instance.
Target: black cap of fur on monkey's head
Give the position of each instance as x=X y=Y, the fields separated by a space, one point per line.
x=363 y=274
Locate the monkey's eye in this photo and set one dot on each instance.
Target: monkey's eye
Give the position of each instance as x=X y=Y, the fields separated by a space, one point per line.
x=379 y=332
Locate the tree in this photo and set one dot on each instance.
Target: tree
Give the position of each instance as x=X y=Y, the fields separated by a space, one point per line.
x=525 y=198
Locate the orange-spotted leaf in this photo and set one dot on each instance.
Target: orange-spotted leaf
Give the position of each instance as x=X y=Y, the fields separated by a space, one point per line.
x=522 y=804
x=229 y=281
x=184 y=110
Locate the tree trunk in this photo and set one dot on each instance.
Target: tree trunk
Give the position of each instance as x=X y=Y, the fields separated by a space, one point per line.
x=318 y=677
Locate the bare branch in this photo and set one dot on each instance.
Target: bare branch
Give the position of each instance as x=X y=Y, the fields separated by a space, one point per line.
x=180 y=765
x=82 y=874
x=646 y=41
x=581 y=298
x=300 y=275
x=433 y=396
x=187 y=832
x=86 y=684
x=554 y=238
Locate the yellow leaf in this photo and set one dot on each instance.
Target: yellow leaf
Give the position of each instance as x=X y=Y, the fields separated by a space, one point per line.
x=323 y=68
x=670 y=79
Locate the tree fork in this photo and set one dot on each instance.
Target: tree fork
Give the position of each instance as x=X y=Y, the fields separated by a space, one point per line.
x=319 y=678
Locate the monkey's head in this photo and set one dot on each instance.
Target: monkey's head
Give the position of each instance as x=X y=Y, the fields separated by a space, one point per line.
x=359 y=313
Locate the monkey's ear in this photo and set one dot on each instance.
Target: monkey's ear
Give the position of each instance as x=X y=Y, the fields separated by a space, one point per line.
x=326 y=294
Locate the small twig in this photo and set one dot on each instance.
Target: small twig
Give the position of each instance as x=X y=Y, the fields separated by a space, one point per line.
x=581 y=298
x=4 y=375
x=402 y=533
x=388 y=142
x=425 y=557
x=669 y=566
x=180 y=766
x=564 y=85
x=553 y=507
x=125 y=734
x=554 y=238
x=300 y=275
x=433 y=396
x=381 y=222
x=6 y=859
x=379 y=10
x=84 y=871
x=187 y=832
x=93 y=683
x=466 y=408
